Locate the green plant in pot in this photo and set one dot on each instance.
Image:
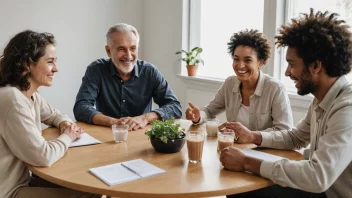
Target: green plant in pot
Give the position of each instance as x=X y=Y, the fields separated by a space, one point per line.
x=192 y=60
x=166 y=136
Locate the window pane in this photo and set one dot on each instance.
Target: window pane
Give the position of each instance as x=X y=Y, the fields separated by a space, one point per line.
x=219 y=20
x=342 y=7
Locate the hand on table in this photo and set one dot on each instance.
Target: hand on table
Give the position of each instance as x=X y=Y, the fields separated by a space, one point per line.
x=73 y=131
x=134 y=123
x=64 y=124
x=192 y=113
x=233 y=159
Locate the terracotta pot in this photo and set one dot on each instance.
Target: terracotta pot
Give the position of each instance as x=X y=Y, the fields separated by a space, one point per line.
x=192 y=70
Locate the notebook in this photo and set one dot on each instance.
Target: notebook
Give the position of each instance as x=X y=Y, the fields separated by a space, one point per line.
x=125 y=171
x=85 y=139
x=262 y=155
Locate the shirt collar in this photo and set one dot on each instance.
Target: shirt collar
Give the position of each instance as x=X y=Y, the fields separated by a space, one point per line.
x=135 y=70
x=331 y=95
x=259 y=87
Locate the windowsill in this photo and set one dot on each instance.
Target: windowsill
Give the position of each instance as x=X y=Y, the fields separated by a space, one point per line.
x=299 y=101
x=296 y=100
x=201 y=78
x=212 y=84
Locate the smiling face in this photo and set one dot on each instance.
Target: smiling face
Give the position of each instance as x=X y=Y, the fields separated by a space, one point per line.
x=42 y=72
x=246 y=64
x=123 y=50
x=299 y=73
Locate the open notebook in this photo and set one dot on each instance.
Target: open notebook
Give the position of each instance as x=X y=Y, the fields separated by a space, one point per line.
x=85 y=139
x=125 y=171
x=262 y=155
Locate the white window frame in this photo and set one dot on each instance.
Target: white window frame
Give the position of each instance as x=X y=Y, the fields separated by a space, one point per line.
x=274 y=16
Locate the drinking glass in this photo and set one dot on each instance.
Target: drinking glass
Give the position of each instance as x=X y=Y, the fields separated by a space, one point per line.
x=120 y=132
x=195 y=142
x=225 y=139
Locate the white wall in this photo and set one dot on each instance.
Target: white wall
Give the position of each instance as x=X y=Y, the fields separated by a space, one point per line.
x=162 y=38
x=79 y=26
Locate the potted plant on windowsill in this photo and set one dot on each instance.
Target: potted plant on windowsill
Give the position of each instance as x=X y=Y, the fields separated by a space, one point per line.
x=192 y=60
x=166 y=136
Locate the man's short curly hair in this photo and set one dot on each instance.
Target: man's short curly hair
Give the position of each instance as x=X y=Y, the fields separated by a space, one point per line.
x=319 y=37
x=253 y=39
x=24 y=49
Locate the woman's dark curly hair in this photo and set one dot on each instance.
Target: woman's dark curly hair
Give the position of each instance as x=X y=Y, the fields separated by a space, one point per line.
x=253 y=39
x=319 y=37
x=24 y=49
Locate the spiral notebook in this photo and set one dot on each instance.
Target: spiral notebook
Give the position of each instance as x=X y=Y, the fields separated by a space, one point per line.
x=125 y=171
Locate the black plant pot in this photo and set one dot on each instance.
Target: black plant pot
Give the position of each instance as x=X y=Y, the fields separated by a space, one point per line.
x=172 y=146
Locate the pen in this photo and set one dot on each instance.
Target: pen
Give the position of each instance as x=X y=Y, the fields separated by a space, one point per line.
x=128 y=168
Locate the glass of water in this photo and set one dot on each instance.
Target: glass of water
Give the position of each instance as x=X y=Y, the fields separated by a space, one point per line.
x=120 y=132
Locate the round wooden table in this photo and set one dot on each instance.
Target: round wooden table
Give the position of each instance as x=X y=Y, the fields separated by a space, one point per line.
x=182 y=179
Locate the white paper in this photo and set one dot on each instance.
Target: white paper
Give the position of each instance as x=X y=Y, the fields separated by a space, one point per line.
x=143 y=168
x=85 y=140
x=262 y=155
x=115 y=173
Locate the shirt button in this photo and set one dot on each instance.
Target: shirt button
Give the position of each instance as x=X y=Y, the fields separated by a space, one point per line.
x=123 y=100
x=121 y=80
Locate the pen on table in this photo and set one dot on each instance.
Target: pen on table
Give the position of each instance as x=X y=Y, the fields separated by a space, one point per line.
x=128 y=168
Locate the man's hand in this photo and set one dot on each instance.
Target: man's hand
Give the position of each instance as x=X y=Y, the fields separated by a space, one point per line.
x=192 y=113
x=234 y=159
x=243 y=134
x=134 y=123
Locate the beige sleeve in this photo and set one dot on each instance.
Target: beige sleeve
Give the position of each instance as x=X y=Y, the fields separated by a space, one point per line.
x=26 y=142
x=327 y=163
x=294 y=138
x=216 y=106
x=49 y=115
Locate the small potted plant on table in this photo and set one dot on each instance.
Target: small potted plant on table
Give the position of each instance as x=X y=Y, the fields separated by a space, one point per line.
x=166 y=136
x=192 y=60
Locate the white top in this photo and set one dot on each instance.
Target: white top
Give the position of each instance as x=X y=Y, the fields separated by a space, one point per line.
x=243 y=115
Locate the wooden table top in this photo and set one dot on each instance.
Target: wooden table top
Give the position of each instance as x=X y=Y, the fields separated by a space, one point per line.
x=182 y=179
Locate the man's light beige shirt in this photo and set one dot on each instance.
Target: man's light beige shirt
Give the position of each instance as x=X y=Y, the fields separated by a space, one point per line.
x=328 y=127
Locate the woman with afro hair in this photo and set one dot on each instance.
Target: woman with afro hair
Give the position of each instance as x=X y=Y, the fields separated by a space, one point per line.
x=251 y=99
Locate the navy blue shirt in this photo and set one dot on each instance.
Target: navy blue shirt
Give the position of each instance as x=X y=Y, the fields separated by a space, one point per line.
x=103 y=91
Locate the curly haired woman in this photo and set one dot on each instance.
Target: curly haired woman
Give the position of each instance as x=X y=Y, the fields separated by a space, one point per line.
x=251 y=98
x=28 y=62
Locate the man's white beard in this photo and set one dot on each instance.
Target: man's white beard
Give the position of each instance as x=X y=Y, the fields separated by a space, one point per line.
x=125 y=70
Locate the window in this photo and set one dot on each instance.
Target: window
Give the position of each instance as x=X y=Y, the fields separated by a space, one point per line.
x=218 y=21
x=213 y=22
